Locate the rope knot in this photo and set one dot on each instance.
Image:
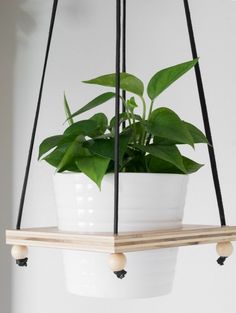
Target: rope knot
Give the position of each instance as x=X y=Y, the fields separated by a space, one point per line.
x=120 y=274
x=221 y=260
x=22 y=262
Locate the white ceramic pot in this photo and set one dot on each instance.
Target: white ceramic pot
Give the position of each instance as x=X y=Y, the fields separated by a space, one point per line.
x=147 y=202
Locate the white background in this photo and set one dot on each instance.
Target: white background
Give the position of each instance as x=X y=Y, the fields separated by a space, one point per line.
x=82 y=48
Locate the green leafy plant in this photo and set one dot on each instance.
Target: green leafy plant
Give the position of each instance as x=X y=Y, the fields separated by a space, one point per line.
x=149 y=143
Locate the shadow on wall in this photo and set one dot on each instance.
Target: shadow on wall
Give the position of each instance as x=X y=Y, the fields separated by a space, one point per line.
x=17 y=23
x=12 y=20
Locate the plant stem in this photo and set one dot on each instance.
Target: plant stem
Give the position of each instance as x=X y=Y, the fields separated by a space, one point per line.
x=127 y=111
x=143 y=135
x=150 y=110
x=149 y=115
x=144 y=108
x=134 y=126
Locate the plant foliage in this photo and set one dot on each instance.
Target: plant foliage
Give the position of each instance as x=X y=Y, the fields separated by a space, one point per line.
x=149 y=143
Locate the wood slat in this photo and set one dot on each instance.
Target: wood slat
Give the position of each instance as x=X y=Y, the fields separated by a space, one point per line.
x=185 y=235
x=52 y=237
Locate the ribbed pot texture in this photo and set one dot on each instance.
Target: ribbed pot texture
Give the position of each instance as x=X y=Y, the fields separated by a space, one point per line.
x=147 y=202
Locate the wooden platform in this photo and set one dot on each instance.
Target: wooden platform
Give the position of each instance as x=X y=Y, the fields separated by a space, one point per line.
x=126 y=242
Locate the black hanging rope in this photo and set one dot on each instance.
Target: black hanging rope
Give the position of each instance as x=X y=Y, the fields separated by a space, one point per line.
x=205 y=116
x=124 y=55
x=202 y=98
x=28 y=164
x=117 y=117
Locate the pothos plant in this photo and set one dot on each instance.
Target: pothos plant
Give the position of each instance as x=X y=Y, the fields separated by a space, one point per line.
x=148 y=144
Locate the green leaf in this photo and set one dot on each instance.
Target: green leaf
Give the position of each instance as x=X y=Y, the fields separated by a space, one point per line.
x=95 y=102
x=67 y=111
x=48 y=144
x=55 y=157
x=85 y=127
x=136 y=130
x=134 y=161
x=170 y=154
x=102 y=123
x=197 y=134
x=124 y=117
x=73 y=151
x=191 y=166
x=165 y=142
x=131 y=104
x=105 y=147
x=156 y=165
x=166 y=124
x=94 y=167
x=128 y=82
x=164 y=78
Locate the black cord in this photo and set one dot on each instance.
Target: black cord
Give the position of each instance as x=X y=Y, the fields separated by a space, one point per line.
x=205 y=116
x=28 y=164
x=117 y=117
x=124 y=55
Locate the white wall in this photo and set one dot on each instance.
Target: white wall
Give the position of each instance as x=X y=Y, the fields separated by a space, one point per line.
x=83 y=47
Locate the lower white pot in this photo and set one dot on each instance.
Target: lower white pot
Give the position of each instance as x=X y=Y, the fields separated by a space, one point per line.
x=147 y=202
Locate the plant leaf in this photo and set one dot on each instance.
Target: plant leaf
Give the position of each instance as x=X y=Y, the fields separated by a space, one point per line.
x=191 y=166
x=165 y=142
x=128 y=82
x=164 y=78
x=105 y=147
x=67 y=111
x=72 y=152
x=95 y=102
x=48 y=144
x=85 y=127
x=134 y=161
x=197 y=134
x=55 y=157
x=156 y=165
x=94 y=167
x=102 y=123
x=170 y=154
x=137 y=130
x=131 y=104
x=124 y=117
x=165 y=123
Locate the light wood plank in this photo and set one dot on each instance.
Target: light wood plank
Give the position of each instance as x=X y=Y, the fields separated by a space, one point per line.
x=185 y=235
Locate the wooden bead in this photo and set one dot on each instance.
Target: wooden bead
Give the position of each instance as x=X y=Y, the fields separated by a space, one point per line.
x=224 y=249
x=19 y=252
x=117 y=261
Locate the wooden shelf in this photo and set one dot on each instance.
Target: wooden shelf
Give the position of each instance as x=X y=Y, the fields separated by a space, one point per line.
x=185 y=235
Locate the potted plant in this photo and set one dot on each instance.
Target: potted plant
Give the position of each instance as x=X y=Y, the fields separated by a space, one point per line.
x=153 y=181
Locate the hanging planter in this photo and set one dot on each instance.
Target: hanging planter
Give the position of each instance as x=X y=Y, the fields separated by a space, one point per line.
x=152 y=182
x=138 y=169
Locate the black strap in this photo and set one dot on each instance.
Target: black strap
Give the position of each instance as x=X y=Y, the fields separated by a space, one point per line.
x=117 y=116
x=124 y=55
x=205 y=116
x=28 y=164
